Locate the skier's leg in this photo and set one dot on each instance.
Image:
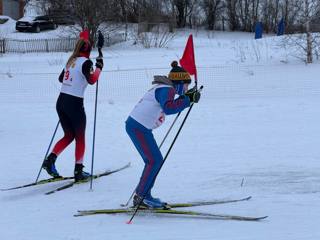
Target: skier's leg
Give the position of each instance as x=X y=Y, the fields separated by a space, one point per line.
x=154 y=160
x=78 y=119
x=147 y=147
x=79 y=125
x=66 y=123
x=66 y=139
x=49 y=162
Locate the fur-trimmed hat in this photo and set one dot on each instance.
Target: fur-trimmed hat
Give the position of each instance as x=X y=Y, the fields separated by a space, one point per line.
x=178 y=74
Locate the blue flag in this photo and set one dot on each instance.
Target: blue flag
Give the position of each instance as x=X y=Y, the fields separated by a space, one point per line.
x=280 y=27
x=258 y=30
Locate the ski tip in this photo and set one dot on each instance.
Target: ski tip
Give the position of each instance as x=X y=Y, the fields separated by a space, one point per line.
x=129 y=222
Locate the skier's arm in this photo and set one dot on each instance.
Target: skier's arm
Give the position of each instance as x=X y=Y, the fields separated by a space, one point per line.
x=91 y=75
x=61 y=76
x=165 y=96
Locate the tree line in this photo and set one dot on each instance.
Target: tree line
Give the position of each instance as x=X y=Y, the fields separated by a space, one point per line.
x=301 y=16
x=233 y=15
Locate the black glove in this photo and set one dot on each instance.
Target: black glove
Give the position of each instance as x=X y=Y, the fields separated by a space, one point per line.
x=99 y=63
x=193 y=94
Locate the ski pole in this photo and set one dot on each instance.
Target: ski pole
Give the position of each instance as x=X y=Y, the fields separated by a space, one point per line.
x=94 y=133
x=174 y=121
x=100 y=45
x=165 y=158
x=45 y=156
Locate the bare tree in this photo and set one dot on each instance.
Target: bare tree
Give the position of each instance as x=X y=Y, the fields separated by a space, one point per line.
x=183 y=10
x=305 y=44
x=169 y=8
x=248 y=12
x=311 y=7
x=270 y=11
x=88 y=14
x=213 y=9
x=240 y=14
x=232 y=16
x=290 y=10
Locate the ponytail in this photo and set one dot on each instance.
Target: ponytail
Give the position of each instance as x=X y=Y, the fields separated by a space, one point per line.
x=75 y=53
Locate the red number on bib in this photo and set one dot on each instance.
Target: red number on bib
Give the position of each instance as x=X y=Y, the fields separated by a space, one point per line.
x=67 y=75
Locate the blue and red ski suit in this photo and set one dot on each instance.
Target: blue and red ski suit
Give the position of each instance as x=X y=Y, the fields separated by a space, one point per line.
x=148 y=114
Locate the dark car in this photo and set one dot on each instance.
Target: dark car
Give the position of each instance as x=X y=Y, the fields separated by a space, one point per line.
x=35 y=24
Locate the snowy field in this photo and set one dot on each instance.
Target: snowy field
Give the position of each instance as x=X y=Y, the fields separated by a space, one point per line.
x=255 y=132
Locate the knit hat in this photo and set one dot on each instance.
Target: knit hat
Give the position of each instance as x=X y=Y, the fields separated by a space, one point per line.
x=85 y=47
x=178 y=74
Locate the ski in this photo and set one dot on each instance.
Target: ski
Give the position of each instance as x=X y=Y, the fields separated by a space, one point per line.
x=187 y=204
x=204 y=203
x=170 y=212
x=44 y=181
x=71 y=184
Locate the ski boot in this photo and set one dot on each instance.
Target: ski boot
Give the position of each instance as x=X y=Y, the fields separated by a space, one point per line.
x=148 y=202
x=49 y=165
x=158 y=200
x=79 y=174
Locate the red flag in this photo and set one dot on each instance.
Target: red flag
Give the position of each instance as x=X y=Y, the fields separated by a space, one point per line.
x=85 y=34
x=188 y=61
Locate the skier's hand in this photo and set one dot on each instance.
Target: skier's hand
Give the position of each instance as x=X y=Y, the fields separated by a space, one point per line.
x=194 y=95
x=99 y=63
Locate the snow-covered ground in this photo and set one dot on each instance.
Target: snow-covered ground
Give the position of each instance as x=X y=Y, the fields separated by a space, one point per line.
x=254 y=133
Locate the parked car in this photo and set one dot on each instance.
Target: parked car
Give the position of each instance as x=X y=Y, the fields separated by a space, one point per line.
x=35 y=24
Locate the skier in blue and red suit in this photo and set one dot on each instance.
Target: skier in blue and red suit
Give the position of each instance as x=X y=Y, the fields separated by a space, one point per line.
x=148 y=114
x=75 y=77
